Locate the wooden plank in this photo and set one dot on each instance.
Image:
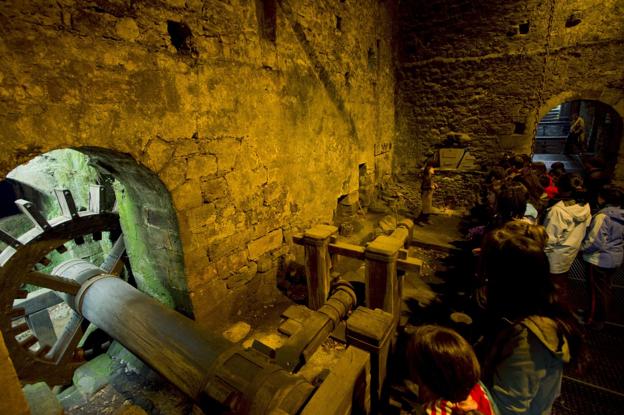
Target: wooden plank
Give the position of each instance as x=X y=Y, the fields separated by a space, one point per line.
x=9 y=240
x=63 y=350
x=96 y=198
x=52 y=282
x=16 y=313
x=347 y=249
x=317 y=266
x=410 y=264
x=41 y=325
x=31 y=211
x=66 y=202
x=38 y=300
x=346 y=389
x=113 y=263
x=27 y=342
x=297 y=313
x=20 y=328
x=289 y=327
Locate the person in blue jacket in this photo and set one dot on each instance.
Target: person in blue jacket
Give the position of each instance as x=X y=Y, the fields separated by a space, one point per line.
x=603 y=250
x=531 y=334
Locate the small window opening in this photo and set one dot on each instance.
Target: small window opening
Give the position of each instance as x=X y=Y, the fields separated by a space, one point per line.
x=266 y=13
x=372 y=58
x=523 y=28
x=181 y=37
x=339 y=23
x=519 y=127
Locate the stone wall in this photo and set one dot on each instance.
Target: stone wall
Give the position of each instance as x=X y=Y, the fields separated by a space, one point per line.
x=255 y=122
x=491 y=70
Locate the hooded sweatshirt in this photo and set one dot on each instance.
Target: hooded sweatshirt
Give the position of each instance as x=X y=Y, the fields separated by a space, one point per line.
x=526 y=376
x=565 y=226
x=604 y=243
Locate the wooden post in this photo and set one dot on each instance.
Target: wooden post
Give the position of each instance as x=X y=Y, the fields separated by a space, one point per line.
x=382 y=287
x=371 y=330
x=317 y=263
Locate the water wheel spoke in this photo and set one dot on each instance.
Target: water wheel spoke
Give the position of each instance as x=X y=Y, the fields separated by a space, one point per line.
x=96 y=198
x=43 y=350
x=21 y=294
x=66 y=202
x=31 y=211
x=20 y=328
x=9 y=240
x=53 y=282
x=17 y=312
x=113 y=263
x=63 y=349
x=27 y=342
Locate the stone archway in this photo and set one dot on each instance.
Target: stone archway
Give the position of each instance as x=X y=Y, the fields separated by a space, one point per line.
x=149 y=223
x=614 y=101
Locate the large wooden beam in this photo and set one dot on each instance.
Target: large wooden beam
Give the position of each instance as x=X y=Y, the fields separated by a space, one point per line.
x=346 y=389
x=317 y=263
x=382 y=286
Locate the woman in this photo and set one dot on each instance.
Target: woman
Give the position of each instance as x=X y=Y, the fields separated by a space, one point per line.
x=532 y=335
x=426 y=192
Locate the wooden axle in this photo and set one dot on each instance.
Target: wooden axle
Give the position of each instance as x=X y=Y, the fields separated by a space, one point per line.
x=218 y=375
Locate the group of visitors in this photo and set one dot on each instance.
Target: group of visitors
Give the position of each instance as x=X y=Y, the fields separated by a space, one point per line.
x=530 y=227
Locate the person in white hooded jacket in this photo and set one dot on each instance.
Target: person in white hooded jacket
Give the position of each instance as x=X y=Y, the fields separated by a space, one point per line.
x=566 y=223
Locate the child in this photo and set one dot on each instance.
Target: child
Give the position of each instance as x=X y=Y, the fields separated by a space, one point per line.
x=603 y=250
x=566 y=223
x=447 y=372
x=531 y=334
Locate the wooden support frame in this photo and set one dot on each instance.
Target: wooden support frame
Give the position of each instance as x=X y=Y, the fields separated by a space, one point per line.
x=317 y=263
x=382 y=285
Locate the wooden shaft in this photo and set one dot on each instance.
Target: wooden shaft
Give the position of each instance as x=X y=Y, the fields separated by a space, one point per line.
x=318 y=264
x=166 y=340
x=382 y=288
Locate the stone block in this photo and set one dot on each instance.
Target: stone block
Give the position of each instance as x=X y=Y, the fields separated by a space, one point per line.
x=226 y=149
x=201 y=165
x=158 y=218
x=42 y=400
x=213 y=189
x=187 y=195
x=388 y=224
x=265 y=264
x=130 y=410
x=93 y=375
x=201 y=217
x=157 y=154
x=265 y=244
x=127 y=29
x=174 y=173
x=237 y=332
x=132 y=363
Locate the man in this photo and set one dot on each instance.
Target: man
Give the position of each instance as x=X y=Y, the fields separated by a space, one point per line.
x=575 y=142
